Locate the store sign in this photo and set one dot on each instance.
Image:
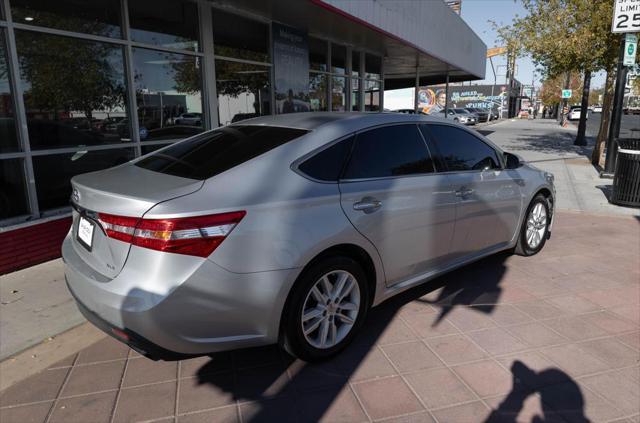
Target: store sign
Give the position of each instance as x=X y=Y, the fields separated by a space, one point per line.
x=630 y=49
x=566 y=93
x=626 y=16
x=291 y=69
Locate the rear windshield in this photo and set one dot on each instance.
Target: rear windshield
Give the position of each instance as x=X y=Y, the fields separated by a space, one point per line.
x=214 y=152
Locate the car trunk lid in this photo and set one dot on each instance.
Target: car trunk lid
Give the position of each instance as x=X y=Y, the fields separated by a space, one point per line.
x=128 y=191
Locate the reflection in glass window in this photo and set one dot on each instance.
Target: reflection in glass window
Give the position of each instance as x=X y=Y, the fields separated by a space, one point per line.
x=8 y=138
x=355 y=95
x=318 y=92
x=461 y=150
x=371 y=96
x=317 y=54
x=74 y=91
x=372 y=66
x=239 y=37
x=389 y=151
x=339 y=94
x=244 y=91
x=355 y=63
x=13 y=197
x=166 y=23
x=53 y=173
x=97 y=17
x=168 y=94
x=338 y=58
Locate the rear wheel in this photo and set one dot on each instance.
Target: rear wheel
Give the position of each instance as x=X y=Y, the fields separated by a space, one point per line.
x=535 y=228
x=326 y=308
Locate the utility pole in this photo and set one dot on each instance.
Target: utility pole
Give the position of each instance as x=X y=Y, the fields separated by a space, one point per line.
x=616 y=114
x=510 y=71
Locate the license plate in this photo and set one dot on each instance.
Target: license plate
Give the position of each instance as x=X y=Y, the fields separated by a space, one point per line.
x=85 y=232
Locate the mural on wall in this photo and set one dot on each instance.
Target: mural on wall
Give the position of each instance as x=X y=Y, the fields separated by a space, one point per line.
x=432 y=99
x=291 y=69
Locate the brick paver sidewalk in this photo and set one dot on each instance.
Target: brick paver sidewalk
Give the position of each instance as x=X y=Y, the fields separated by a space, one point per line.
x=556 y=335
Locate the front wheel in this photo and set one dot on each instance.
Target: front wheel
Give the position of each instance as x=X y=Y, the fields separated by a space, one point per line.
x=326 y=307
x=535 y=228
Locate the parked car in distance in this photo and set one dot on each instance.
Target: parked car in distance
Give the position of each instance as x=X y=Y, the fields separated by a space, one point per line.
x=192 y=119
x=596 y=109
x=287 y=229
x=481 y=115
x=460 y=115
x=574 y=113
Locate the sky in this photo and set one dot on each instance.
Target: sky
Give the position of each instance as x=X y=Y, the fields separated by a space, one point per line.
x=478 y=14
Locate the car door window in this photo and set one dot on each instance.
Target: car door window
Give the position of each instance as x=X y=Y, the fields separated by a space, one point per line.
x=327 y=164
x=389 y=151
x=461 y=150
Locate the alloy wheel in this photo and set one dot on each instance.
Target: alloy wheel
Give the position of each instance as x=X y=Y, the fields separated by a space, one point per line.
x=330 y=309
x=536 y=225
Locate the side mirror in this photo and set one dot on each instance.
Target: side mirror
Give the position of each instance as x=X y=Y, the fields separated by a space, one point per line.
x=512 y=161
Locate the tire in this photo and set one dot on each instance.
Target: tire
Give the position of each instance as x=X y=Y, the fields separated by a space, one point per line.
x=303 y=300
x=525 y=246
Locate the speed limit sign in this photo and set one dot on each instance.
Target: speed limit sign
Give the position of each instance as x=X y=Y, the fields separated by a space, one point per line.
x=626 y=16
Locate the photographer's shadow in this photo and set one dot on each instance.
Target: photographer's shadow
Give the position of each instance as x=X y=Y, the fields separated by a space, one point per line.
x=560 y=396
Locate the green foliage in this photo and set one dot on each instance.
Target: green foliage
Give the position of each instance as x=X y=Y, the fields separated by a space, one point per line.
x=564 y=35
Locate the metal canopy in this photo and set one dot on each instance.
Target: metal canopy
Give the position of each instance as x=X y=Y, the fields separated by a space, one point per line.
x=407 y=33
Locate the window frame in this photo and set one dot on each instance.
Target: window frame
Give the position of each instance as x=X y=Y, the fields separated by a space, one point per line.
x=442 y=164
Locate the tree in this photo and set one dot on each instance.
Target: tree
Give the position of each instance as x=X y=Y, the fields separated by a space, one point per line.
x=566 y=36
x=63 y=74
x=551 y=91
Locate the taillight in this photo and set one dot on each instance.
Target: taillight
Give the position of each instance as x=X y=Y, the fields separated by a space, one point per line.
x=195 y=236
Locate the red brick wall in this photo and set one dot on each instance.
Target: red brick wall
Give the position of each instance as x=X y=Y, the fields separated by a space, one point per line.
x=35 y=244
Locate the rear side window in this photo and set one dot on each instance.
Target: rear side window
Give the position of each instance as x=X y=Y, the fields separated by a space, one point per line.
x=389 y=151
x=214 y=152
x=461 y=150
x=327 y=164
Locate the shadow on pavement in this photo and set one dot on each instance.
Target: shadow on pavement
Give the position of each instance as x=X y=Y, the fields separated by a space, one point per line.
x=559 y=393
x=551 y=143
x=314 y=388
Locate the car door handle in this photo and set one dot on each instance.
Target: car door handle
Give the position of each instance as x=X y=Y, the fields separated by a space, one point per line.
x=463 y=192
x=367 y=205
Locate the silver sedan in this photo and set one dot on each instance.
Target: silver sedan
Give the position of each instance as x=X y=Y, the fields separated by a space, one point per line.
x=288 y=229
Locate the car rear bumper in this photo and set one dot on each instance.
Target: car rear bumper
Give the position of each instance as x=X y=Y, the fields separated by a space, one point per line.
x=205 y=309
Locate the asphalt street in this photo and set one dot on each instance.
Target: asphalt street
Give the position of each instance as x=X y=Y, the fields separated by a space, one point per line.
x=628 y=123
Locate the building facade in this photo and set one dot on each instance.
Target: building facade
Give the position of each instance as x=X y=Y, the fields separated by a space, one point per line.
x=86 y=85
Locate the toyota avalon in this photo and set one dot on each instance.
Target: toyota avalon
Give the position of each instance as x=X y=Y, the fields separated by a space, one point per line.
x=287 y=229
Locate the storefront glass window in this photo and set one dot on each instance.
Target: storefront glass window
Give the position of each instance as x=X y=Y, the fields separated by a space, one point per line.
x=355 y=95
x=244 y=91
x=317 y=54
x=13 y=193
x=371 y=96
x=338 y=58
x=8 y=138
x=339 y=94
x=53 y=173
x=355 y=63
x=318 y=92
x=372 y=66
x=166 y=23
x=74 y=91
x=97 y=17
x=239 y=37
x=168 y=94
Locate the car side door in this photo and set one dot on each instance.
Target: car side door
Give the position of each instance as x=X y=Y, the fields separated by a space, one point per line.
x=489 y=199
x=392 y=196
